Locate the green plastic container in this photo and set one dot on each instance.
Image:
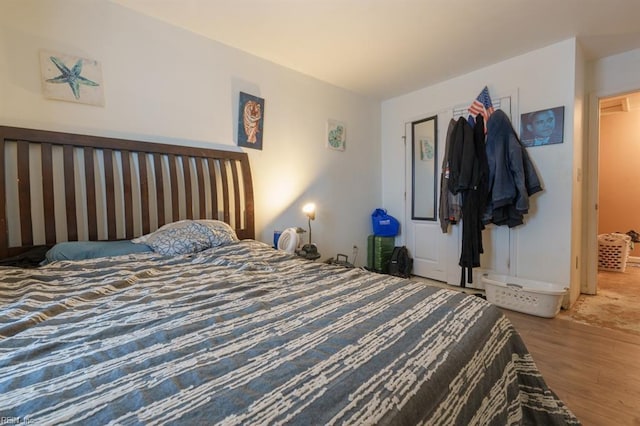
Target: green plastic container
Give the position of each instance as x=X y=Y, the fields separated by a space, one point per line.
x=379 y=250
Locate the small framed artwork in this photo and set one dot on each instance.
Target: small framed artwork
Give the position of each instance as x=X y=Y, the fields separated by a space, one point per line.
x=71 y=78
x=543 y=127
x=427 y=150
x=250 y=121
x=336 y=135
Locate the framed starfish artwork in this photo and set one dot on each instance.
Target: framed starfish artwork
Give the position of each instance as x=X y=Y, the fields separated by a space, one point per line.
x=71 y=78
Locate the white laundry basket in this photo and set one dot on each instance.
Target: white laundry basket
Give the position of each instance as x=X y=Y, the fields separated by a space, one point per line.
x=530 y=297
x=613 y=251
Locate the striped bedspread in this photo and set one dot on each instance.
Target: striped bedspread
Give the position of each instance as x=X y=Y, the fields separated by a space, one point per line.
x=247 y=335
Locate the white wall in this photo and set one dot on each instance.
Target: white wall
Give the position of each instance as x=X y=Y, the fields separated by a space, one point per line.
x=165 y=84
x=615 y=74
x=542 y=78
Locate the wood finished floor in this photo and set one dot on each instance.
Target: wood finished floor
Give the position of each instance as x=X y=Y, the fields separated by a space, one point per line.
x=594 y=370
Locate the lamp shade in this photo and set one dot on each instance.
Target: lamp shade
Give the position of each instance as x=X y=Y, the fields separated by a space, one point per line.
x=310 y=210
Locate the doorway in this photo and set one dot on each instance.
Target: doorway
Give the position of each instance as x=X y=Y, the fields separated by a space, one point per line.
x=614 y=158
x=619 y=163
x=619 y=166
x=602 y=106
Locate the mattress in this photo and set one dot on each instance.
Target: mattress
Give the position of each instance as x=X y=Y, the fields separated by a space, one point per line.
x=245 y=334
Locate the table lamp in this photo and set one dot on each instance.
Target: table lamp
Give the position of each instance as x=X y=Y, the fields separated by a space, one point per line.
x=309 y=250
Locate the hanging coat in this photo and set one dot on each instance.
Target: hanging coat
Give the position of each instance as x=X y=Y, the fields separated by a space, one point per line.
x=469 y=177
x=450 y=206
x=512 y=175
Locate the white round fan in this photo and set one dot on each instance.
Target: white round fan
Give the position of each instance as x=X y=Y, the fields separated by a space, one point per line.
x=289 y=240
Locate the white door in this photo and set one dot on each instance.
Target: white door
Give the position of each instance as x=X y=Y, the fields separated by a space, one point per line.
x=436 y=254
x=424 y=237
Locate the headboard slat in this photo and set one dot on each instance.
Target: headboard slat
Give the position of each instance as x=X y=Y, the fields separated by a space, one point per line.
x=202 y=202
x=48 y=194
x=4 y=237
x=24 y=193
x=84 y=185
x=173 y=175
x=70 y=193
x=112 y=231
x=127 y=194
x=144 y=192
x=157 y=167
x=248 y=229
x=236 y=192
x=225 y=191
x=91 y=201
x=214 y=187
x=188 y=191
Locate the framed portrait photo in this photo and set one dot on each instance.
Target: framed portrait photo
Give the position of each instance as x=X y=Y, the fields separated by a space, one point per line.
x=543 y=127
x=250 y=121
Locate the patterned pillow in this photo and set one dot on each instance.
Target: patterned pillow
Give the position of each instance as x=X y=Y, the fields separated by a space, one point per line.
x=221 y=233
x=182 y=237
x=188 y=236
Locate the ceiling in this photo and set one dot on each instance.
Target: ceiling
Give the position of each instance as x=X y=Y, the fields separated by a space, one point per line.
x=385 y=48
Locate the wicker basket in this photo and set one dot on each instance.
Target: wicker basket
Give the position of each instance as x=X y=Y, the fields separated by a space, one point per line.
x=613 y=252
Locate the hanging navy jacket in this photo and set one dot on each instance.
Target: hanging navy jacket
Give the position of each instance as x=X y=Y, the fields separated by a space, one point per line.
x=512 y=176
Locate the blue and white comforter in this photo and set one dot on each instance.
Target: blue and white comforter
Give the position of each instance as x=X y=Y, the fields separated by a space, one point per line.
x=244 y=334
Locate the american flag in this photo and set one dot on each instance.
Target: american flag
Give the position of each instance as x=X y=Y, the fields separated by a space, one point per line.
x=482 y=105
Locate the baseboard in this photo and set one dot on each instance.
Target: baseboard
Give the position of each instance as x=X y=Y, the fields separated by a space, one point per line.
x=633 y=259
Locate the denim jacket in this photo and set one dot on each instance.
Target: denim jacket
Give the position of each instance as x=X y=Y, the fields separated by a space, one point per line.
x=512 y=175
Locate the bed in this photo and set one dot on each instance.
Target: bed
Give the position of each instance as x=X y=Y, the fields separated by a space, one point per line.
x=227 y=330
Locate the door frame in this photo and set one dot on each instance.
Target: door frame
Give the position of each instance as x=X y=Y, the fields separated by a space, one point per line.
x=590 y=285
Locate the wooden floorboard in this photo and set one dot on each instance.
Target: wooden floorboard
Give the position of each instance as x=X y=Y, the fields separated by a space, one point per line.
x=593 y=370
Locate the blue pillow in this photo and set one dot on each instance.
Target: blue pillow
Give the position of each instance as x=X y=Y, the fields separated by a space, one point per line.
x=79 y=250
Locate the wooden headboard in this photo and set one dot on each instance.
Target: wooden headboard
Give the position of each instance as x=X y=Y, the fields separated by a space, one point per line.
x=67 y=187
